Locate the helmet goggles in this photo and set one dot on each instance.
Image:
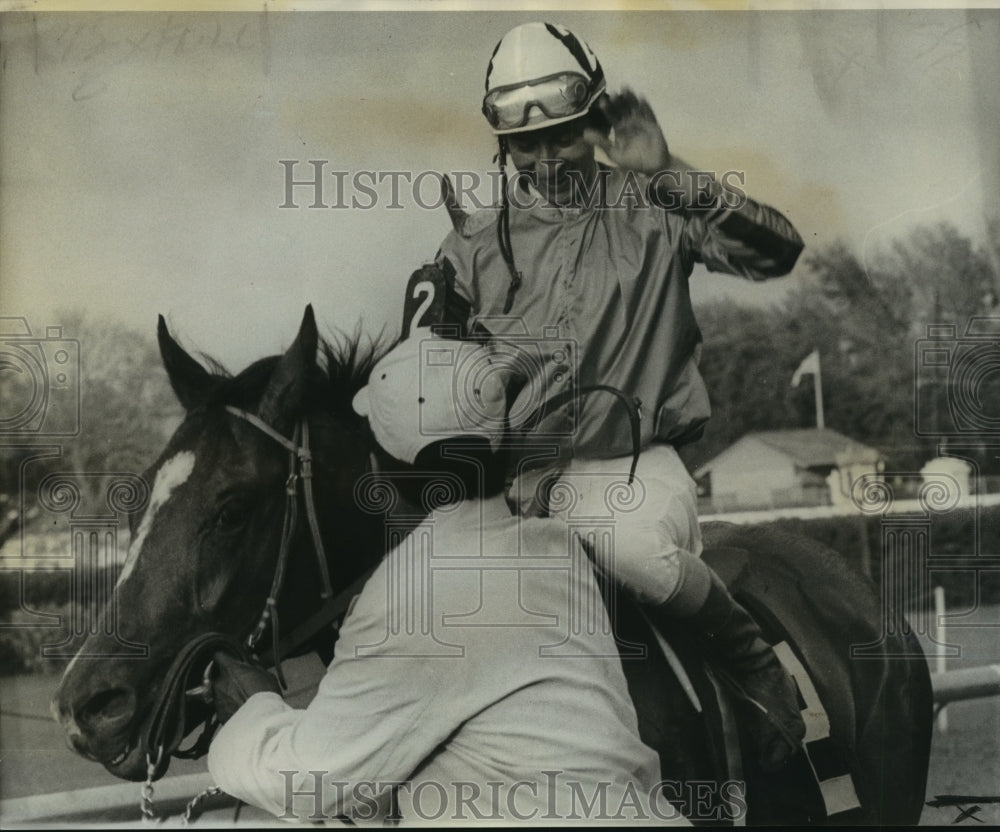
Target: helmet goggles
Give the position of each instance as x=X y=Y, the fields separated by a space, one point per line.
x=519 y=106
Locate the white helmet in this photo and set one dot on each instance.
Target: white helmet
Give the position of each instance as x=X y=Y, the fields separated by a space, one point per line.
x=540 y=75
x=429 y=388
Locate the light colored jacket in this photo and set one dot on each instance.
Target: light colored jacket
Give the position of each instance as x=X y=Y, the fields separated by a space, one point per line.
x=484 y=659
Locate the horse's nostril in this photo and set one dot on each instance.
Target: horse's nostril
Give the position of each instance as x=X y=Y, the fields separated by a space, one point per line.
x=110 y=706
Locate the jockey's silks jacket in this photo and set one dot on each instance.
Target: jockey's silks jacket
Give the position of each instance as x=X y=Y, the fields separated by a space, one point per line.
x=478 y=653
x=612 y=281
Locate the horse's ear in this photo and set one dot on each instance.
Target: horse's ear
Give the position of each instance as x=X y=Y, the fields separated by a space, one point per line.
x=282 y=402
x=191 y=382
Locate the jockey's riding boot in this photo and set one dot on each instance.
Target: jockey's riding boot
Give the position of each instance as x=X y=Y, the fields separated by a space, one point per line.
x=735 y=644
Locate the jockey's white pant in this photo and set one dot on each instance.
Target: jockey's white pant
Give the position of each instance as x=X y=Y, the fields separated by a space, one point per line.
x=645 y=535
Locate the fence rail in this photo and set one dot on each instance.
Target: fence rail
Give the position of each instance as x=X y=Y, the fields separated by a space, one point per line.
x=968 y=683
x=119 y=803
x=114 y=804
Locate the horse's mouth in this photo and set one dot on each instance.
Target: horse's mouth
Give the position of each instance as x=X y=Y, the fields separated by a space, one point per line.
x=130 y=758
x=126 y=759
x=120 y=756
x=119 y=759
x=128 y=764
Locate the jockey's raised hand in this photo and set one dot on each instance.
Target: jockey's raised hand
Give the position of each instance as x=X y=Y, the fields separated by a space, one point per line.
x=638 y=143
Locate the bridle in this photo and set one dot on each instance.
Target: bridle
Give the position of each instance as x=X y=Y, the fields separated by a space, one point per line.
x=299 y=468
x=168 y=723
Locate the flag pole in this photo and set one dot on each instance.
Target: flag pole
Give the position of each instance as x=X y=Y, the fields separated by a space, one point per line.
x=818 y=386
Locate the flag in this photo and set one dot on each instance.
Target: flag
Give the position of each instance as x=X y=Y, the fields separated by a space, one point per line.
x=810 y=364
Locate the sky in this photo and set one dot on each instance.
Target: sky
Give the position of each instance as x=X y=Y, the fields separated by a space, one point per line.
x=141 y=153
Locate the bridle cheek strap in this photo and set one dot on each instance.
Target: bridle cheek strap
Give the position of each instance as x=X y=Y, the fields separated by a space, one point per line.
x=300 y=467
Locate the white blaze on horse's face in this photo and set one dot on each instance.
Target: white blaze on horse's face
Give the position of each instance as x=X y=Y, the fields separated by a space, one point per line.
x=173 y=473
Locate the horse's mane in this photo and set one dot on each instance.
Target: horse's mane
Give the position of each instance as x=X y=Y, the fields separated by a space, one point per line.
x=343 y=368
x=348 y=364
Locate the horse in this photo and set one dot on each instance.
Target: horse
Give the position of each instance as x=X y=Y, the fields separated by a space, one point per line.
x=215 y=562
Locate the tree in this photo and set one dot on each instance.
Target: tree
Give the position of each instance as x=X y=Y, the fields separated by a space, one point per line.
x=883 y=390
x=860 y=320
x=867 y=319
x=746 y=363
x=125 y=404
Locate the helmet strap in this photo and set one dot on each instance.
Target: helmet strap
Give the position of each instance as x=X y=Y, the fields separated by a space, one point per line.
x=503 y=229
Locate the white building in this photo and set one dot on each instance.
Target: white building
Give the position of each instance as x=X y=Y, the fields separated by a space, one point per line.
x=779 y=468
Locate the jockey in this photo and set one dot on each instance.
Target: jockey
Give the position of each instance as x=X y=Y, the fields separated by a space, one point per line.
x=594 y=259
x=459 y=689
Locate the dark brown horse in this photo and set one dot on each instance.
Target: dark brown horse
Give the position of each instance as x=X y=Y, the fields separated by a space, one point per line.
x=204 y=553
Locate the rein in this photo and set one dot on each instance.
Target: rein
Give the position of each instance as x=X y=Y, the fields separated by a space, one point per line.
x=168 y=727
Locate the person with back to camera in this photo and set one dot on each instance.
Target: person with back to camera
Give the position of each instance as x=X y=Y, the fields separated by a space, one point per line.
x=495 y=720
x=599 y=256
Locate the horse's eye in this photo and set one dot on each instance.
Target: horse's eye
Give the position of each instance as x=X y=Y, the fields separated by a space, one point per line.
x=231 y=515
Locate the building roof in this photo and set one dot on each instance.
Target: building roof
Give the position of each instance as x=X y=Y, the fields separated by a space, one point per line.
x=807 y=447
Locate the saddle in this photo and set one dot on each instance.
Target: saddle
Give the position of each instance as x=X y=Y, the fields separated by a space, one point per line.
x=696 y=728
